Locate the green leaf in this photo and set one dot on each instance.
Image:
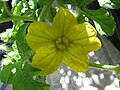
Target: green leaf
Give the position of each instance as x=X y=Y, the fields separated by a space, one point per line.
x=51 y=14
x=82 y=3
x=6 y=73
x=98 y=27
x=81 y=18
x=67 y=1
x=105 y=23
x=110 y=4
x=4 y=13
x=21 y=43
x=79 y=3
x=25 y=79
x=42 y=2
x=21 y=7
x=18 y=8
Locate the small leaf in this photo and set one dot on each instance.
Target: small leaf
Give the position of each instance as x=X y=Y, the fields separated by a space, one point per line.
x=22 y=45
x=110 y=4
x=25 y=79
x=103 y=19
x=20 y=8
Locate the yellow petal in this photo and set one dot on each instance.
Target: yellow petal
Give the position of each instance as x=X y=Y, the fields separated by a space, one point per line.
x=84 y=35
x=81 y=31
x=89 y=44
x=39 y=34
x=48 y=59
x=76 y=60
x=63 y=21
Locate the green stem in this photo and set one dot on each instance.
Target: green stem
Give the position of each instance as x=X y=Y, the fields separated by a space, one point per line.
x=45 y=10
x=6 y=9
x=13 y=17
x=105 y=67
x=16 y=18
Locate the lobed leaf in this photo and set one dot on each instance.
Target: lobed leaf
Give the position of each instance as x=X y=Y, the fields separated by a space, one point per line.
x=25 y=79
x=105 y=23
x=6 y=73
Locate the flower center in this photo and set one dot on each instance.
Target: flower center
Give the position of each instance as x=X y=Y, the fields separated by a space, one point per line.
x=62 y=43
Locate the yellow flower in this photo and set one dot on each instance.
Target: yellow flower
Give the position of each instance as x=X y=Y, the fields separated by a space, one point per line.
x=65 y=41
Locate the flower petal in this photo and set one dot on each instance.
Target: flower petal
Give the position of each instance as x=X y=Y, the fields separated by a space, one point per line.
x=48 y=59
x=39 y=34
x=63 y=21
x=89 y=44
x=84 y=35
x=75 y=59
x=81 y=31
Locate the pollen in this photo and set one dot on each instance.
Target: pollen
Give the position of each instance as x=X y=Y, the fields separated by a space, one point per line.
x=62 y=43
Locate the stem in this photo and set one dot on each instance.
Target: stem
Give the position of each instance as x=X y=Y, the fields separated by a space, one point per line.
x=45 y=10
x=105 y=67
x=13 y=17
x=17 y=18
x=6 y=9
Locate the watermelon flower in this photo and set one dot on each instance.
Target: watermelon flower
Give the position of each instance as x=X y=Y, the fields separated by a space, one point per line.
x=64 y=42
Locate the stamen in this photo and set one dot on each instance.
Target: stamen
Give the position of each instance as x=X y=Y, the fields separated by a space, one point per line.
x=62 y=43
